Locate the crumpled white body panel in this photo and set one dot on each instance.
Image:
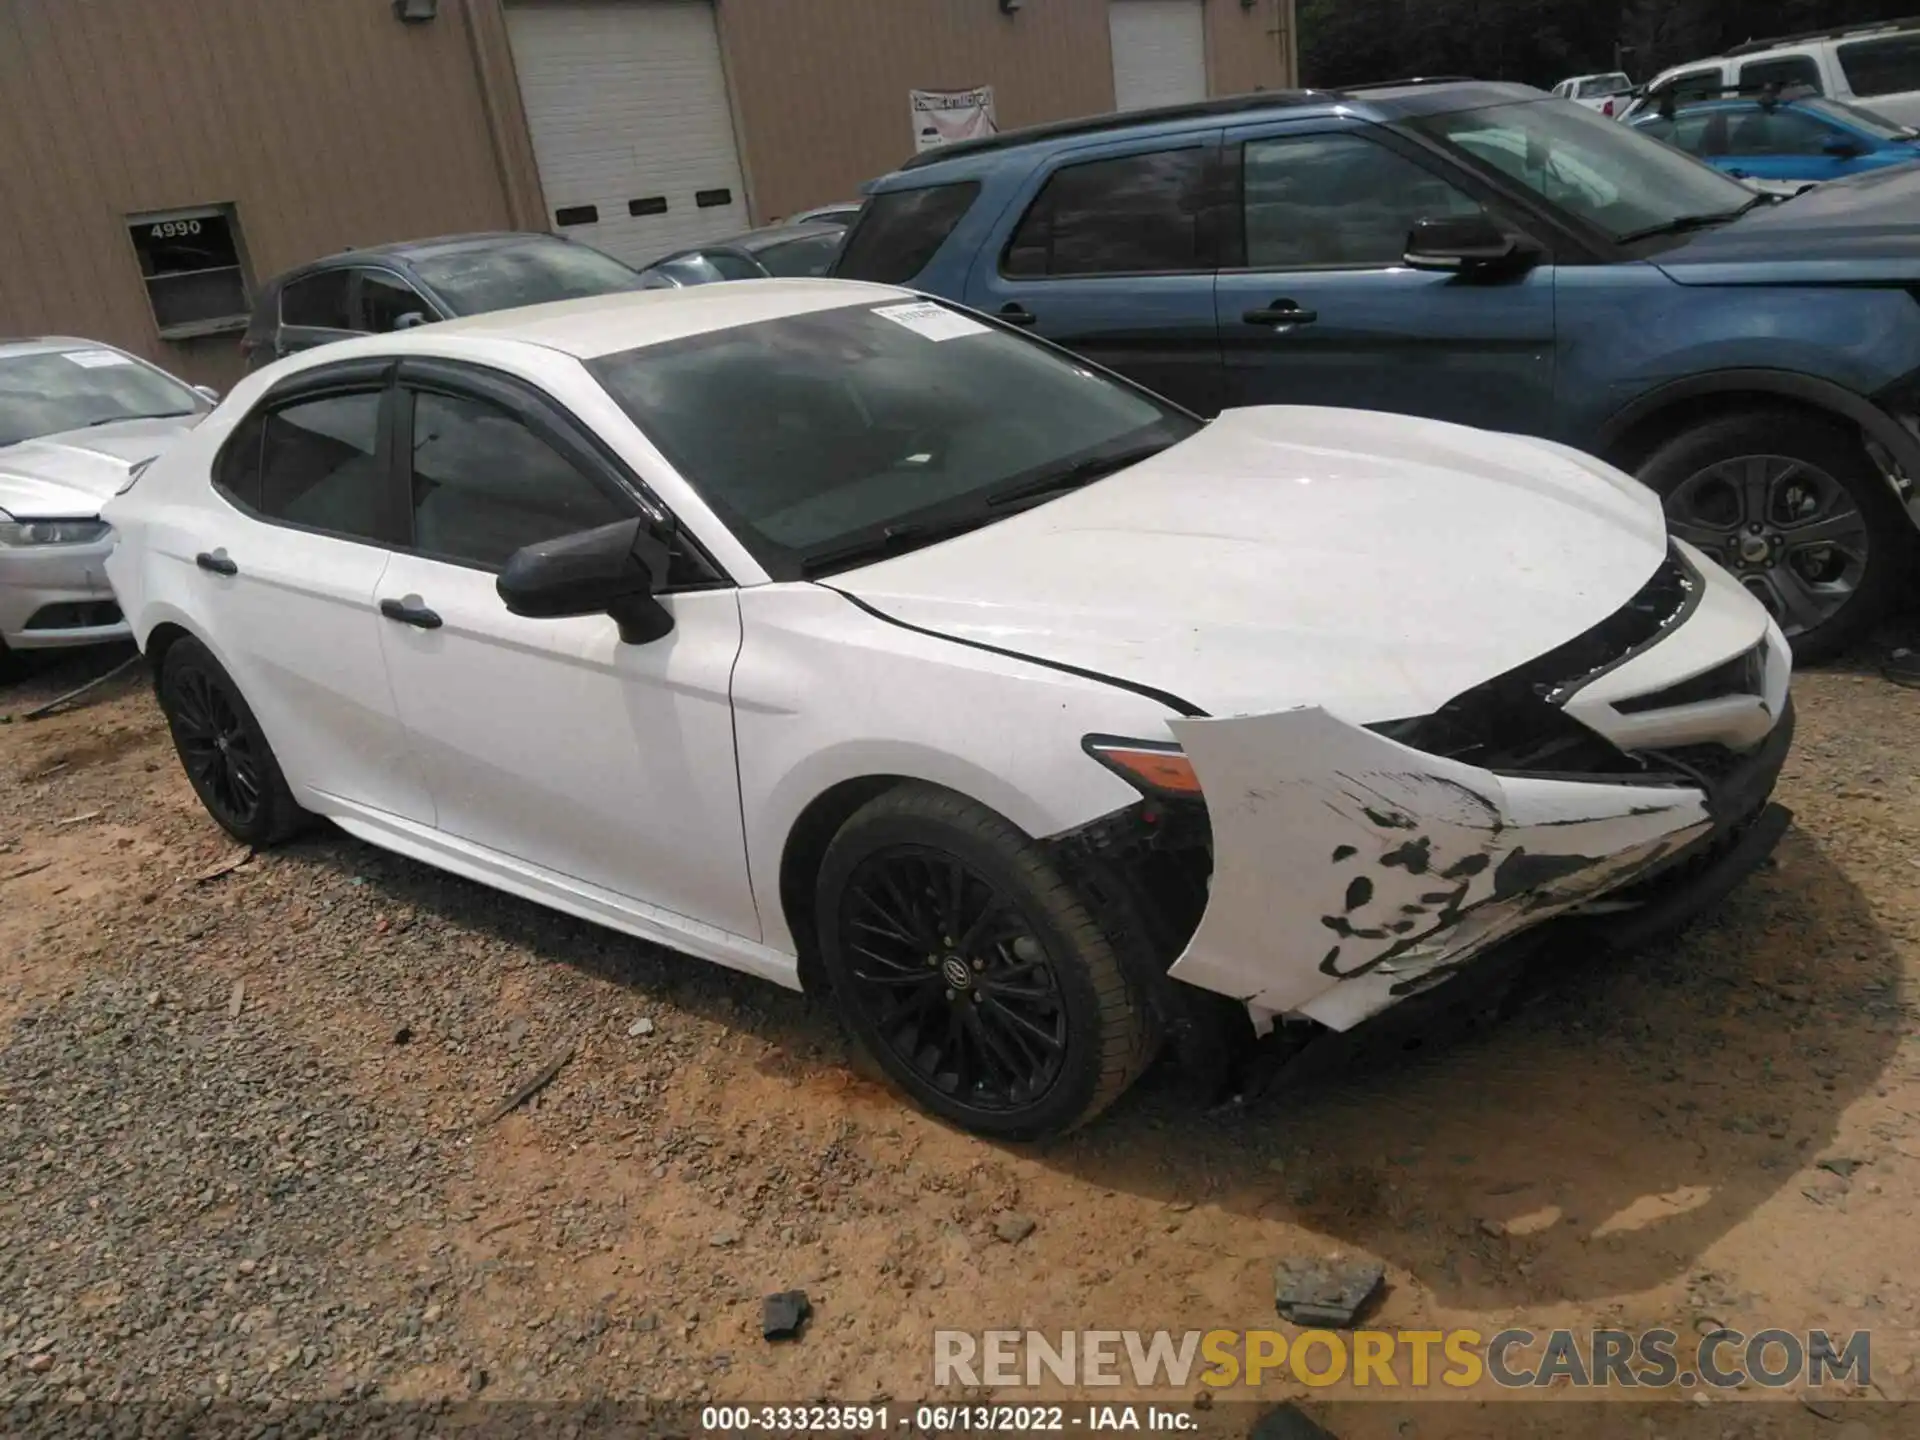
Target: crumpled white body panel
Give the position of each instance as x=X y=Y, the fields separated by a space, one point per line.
x=1349 y=871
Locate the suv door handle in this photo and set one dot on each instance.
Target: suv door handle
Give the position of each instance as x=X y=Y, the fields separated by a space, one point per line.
x=1014 y=313
x=217 y=562
x=1281 y=312
x=418 y=616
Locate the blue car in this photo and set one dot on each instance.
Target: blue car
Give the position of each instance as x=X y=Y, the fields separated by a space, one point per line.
x=1482 y=253
x=1791 y=138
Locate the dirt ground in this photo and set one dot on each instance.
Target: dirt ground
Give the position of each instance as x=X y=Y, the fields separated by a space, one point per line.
x=243 y=1124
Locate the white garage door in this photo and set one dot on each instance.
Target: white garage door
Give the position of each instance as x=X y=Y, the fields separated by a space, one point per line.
x=627 y=103
x=1159 y=52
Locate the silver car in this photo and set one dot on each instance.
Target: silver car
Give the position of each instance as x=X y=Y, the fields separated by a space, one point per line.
x=75 y=417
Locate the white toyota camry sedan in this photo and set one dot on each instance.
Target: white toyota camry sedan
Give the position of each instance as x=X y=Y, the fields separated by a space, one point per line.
x=851 y=640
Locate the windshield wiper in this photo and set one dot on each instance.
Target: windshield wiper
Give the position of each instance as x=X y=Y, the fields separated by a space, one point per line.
x=1681 y=224
x=1072 y=477
x=894 y=540
x=156 y=415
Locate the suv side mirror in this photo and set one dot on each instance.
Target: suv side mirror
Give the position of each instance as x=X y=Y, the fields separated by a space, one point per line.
x=207 y=393
x=1841 y=148
x=1465 y=245
x=610 y=570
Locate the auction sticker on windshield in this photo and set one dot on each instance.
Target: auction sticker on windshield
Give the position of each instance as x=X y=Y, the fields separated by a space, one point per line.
x=936 y=322
x=95 y=359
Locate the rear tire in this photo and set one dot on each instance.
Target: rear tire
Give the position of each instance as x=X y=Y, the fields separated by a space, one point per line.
x=222 y=748
x=971 y=972
x=1792 y=505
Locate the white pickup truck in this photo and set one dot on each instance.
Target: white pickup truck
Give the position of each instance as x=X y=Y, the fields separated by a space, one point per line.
x=1608 y=93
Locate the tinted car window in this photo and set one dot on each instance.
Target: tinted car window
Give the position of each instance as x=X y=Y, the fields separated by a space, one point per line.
x=523 y=270
x=1693 y=84
x=1776 y=132
x=868 y=415
x=320 y=465
x=484 y=485
x=899 y=232
x=1787 y=70
x=1698 y=132
x=384 y=299
x=237 y=470
x=319 y=300
x=731 y=266
x=810 y=255
x=1331 y=200
x=1122 y=216
x=1882 y=67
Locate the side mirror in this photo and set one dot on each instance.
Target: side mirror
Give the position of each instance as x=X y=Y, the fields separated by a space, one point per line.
x=1464 y=245
x=1841 y=148
x=207 y=393
x=409 y=320
x=610 y=570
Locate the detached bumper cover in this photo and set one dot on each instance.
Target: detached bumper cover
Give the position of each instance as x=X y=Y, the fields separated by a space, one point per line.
x=1408 y=865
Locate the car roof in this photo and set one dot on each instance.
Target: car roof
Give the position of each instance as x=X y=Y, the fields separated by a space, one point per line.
x=753 y=241
x=405 y=251
x=606 y=324
x=1383 y=101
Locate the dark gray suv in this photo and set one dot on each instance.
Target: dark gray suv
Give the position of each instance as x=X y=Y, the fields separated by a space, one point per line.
x=415 y=282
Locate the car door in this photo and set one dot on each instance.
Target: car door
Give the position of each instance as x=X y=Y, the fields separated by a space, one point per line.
x=552 y=742
x=290 y=569
x=314 y=310
x=1317 y=307
x=1107 y=250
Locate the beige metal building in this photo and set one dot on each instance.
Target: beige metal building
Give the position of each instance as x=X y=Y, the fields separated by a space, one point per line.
x=158 y=157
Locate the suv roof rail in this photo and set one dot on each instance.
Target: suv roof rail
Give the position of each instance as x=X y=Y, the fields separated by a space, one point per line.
x=1769 y=93
x=1116 y=120
x=1829 y=32
x=1410 y=80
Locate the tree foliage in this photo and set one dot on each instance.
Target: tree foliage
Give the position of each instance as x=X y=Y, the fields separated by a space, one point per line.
x=1348 y=42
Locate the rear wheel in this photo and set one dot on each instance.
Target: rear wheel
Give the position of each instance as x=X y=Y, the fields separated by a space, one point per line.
x=971 y=971
x=221 y=747
x=1795 y=508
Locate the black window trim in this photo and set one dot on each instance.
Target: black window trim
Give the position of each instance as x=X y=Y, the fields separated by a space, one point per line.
x=1206 y=260
x=371 y=376
x=553 y=424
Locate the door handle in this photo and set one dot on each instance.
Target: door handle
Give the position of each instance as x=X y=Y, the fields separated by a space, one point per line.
x=1281 y=312
x=1014 y=313
x=418 y=616
x=216 y=562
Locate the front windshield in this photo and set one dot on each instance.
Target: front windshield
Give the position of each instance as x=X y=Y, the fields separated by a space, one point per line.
x=1608 y=174
x=1864 y=121
x=522 y=272
x=812 y=433
x=45 y=392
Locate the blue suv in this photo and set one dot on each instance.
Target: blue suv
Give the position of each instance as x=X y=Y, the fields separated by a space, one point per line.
x=1781 y=136
x=1482 y=253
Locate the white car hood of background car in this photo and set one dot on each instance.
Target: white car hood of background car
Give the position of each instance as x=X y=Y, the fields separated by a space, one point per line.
x=1374 y=565
x=70 y=475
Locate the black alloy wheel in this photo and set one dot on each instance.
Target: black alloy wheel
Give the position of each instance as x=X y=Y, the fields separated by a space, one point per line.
x=972 y=972
x=221 y=747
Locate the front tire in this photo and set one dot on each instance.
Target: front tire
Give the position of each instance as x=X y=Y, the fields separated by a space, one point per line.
x=222 y=748
x=1794 y=507
x=971 y=971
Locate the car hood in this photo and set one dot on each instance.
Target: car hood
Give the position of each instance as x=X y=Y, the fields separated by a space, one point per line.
x=69 y=475
x=1376 y=565
x=1860 y=228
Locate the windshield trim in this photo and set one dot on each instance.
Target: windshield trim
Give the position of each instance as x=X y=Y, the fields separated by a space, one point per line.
x=782 y=562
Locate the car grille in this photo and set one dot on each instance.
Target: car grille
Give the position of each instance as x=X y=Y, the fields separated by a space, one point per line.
x=1743 y=675
x=1515 y=721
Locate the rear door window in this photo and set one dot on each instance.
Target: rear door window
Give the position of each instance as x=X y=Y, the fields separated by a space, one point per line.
x=317 y=302
x=320 y=467
x=1692 y=85
x=1777 y=132
x=899 y=232
x=1882 y=67
x=810 y=255
x=1784 y=71
x=1128 y=215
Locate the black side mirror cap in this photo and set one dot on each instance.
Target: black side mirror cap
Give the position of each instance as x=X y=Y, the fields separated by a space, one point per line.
x=609 y=570
x=1842 y=148
x=1466 y=245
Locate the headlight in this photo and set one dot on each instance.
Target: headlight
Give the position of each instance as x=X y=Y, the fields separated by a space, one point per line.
x=16 y=534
